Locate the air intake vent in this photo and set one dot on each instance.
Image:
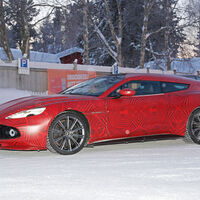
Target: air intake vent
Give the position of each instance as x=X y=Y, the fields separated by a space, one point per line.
x=8 y=132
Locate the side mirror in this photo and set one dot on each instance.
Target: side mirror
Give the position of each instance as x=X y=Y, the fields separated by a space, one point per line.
x=127 y=92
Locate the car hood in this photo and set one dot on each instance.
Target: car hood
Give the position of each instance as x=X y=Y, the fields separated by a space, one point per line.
x=38 y=101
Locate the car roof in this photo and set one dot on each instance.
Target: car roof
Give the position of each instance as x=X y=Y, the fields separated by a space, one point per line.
x=196 y=77
x=160 y=77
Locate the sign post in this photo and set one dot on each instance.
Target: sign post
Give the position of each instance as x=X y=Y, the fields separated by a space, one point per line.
x=23 y=66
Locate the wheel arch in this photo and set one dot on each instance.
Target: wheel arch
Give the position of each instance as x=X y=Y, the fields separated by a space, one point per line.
x=51 y=145
x=190 y=115
x=188 y=138
x=82 y=116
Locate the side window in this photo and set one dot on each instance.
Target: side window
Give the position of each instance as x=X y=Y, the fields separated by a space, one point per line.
x=140 y=87
x=173 y=87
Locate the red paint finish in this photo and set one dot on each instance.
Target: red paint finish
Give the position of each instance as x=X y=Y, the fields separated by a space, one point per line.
x=108 y=117
x=127 y=92
x=137 y=116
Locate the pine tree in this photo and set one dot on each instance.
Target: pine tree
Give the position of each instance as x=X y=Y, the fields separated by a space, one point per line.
x=45 y=39
x=133 y=15
x=107 y=21
x=197 y=46
x=57 y=31
x=193 y=14
x=61 y=31
x=4 y=32
x=22 y=13
x=50 y=35
x=65 y=30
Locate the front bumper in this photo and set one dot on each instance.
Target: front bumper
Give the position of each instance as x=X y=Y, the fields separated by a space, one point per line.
x=31 y=133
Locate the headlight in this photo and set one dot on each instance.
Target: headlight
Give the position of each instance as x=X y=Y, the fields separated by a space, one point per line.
x=26 y=113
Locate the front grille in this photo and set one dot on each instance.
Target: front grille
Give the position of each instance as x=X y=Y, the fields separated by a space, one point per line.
x=7 y=132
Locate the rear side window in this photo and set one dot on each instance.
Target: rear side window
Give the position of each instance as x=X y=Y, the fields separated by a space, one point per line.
x=173 y=87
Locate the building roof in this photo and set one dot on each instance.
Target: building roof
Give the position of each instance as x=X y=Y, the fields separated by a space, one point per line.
x=69 y=52
x=36 y=56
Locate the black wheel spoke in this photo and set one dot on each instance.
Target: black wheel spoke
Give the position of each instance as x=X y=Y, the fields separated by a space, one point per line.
x=196 y=123
x=77 y=129
x=74 y=141
x=69 y=144
x=61 y=125
x=63 y=144
x=59 y=138
x=57 y=131
x=197 y=118
x=196 y=129
x=197 y=133
x=74 y=123
x=198 y=136
x=78 y=136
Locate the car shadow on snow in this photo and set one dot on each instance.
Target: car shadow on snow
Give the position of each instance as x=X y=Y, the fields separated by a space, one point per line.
x=135 y=140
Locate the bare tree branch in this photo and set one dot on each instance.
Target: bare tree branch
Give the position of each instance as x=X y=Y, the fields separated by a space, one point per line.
x=49 y=14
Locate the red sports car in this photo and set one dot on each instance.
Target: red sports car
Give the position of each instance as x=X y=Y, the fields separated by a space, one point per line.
x=103 y=108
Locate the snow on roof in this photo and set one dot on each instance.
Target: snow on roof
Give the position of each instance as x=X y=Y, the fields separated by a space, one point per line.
x=191 y=65
x=40 y=56
x=69 y=52
x=16 y=54
x=43 y=57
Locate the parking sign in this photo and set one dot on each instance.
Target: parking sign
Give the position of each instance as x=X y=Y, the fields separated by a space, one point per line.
x=23 y=66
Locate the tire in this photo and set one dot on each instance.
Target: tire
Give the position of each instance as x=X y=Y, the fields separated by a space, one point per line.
x=192 y=134
x=67 y=134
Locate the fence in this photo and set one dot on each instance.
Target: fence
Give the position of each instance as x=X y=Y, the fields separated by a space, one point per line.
x=37 y=81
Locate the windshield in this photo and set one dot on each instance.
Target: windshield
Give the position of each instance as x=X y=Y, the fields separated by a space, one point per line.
x=94 y=87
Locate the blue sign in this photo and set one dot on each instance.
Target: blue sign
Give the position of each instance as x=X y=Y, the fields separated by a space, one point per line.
x=115 y=69
x=24 y=63
x=23 y=66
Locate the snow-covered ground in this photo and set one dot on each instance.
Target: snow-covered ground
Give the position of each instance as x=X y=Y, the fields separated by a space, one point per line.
x=7 y=94
x=153 y=170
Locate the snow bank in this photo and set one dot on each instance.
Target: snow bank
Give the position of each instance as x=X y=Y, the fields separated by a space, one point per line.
x=190 y=66
x=8 y=94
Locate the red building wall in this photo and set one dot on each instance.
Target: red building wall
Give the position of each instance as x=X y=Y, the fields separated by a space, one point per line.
x=70 y=58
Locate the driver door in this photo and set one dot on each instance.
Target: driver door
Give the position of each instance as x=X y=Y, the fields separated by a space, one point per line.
x=145 y=113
